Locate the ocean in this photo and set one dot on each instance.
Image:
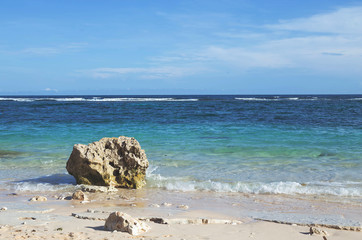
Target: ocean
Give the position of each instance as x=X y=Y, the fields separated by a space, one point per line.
x=297 y=145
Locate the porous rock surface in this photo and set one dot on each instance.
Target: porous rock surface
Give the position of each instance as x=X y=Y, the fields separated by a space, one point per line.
x=118 y=162
x=118 y=221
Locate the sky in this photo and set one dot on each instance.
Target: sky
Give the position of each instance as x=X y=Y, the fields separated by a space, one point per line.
x=180 y=47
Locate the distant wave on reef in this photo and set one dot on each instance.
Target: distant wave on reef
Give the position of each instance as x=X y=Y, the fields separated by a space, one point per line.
x=98 y=99
x=184 y=98
x=290 y=99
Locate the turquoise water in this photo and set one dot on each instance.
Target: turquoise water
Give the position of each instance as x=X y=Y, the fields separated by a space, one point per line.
x=297 y=145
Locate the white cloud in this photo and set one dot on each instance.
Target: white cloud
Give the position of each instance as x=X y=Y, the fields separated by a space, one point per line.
x=341 y=21
x=52 y=50
x=244 y=58
x=50 y=90
x=321 y=53
x=325 y=43
x=144 y=73
x=201 y=20
x=41 y=51
x=329 y=42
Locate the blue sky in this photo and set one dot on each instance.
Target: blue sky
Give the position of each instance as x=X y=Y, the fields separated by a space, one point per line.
x=180 y=47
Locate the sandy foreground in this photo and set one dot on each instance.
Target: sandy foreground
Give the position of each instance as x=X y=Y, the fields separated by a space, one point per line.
x=74 y=219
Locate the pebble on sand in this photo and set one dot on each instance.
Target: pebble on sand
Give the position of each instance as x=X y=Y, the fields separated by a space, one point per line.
x=38 y=199
x=166 y=204
x=79 y=195
x=183 y=206
x=317 y=231
x=154 y=205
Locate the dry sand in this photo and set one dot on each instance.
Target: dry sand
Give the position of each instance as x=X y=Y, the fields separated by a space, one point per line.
x=71 y=219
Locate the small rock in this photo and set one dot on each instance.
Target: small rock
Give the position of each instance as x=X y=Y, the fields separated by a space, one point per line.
x=38 y=199
x=91 y=188
x=183 y=206
x=79 y=195
x=83 y=202
x=27 y=218
x=165 y=204
x=60 y=198
x=124 y=197
x=125 y=223
x=317 y=231
x=3 y=209
x=154 y=205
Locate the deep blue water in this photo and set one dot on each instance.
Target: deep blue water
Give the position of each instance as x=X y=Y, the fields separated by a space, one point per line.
x=254 y=144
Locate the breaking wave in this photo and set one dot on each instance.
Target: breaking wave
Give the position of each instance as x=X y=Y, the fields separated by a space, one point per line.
x=278 y=99
x=99 y=99
x=39 y=187
x=348 y=189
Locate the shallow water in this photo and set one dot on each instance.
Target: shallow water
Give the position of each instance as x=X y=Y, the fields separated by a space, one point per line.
x=294 y=145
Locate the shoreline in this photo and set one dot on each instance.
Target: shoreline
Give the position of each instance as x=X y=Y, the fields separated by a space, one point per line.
x=260 y=215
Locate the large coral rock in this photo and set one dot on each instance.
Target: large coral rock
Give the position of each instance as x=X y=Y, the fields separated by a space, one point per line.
x=125 y=223
x=118 y=162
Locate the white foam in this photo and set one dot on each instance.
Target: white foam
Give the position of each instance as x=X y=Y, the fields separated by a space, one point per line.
x=38 y=187
x=41 y=99
x=64 y=99
x=279 y=99
x=151 y=169
x=291 y=188
x=258 y=99
x=141 y=100
x=17 y=99
x=98 y=99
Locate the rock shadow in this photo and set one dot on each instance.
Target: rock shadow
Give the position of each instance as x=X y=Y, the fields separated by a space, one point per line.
x=98 y=228
x=54 y=179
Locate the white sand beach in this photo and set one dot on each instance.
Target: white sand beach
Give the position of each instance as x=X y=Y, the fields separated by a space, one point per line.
x=75 y=219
